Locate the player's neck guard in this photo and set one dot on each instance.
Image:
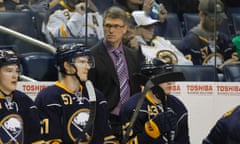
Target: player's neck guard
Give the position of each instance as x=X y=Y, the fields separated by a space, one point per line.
x=59 y=84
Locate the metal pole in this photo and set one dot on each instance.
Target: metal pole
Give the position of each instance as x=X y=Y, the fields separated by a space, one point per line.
x=86 y=23
x=26 y=78
x=214 y=39
x=28 y=39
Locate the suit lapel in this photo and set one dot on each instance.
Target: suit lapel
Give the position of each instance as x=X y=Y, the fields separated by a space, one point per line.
x=129 y=62
x=108 y=63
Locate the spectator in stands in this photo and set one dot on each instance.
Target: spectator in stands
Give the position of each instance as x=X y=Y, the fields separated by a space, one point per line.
x=72 y=110
x=155 y=46
x=160 y=27
x=226 y=129
x=40 y=7
x=67 y=4
x=152 y=8
x=200 y=46
x=67 y=19
x=13 y=4
x=236 y=42
x=159 y=12
x=162 y=117
x=19 y=117
x=113 y=79
x=172 y=6
x=129 y=38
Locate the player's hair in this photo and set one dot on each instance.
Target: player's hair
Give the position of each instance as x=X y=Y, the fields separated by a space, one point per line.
x=116 y=13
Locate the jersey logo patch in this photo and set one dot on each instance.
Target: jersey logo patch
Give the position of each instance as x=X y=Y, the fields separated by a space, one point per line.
x=168 y=56
x=11 y=129
x=77 y=123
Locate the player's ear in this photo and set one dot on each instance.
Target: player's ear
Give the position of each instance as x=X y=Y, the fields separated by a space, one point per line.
x=67 y=66
x=125 y=28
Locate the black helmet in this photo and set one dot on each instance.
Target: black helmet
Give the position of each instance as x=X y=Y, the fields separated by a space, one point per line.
x=154 y=66
x=8 y=57
x=158 y=71
x=68 y=52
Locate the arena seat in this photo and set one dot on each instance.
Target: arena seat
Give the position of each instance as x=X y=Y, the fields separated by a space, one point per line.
x=39 y=66
x=236 y=22
x=231 y=10
x=197 y=72
x=8 y=47
x=190 y=20
x=231 y=72
x=174 y=31
x=22 y=22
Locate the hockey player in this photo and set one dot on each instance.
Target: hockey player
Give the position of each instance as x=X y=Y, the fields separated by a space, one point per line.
x=226 y=130
x=67 y=107
x=162 y=118
x=18 y=115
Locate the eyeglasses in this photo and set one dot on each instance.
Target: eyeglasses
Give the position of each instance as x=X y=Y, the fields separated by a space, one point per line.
x=115 y=26
x=83 y=62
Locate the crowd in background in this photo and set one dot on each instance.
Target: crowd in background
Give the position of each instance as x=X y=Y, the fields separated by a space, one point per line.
x=55 y=19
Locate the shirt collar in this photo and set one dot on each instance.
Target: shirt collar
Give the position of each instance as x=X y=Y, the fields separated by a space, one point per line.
x=110 y=48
